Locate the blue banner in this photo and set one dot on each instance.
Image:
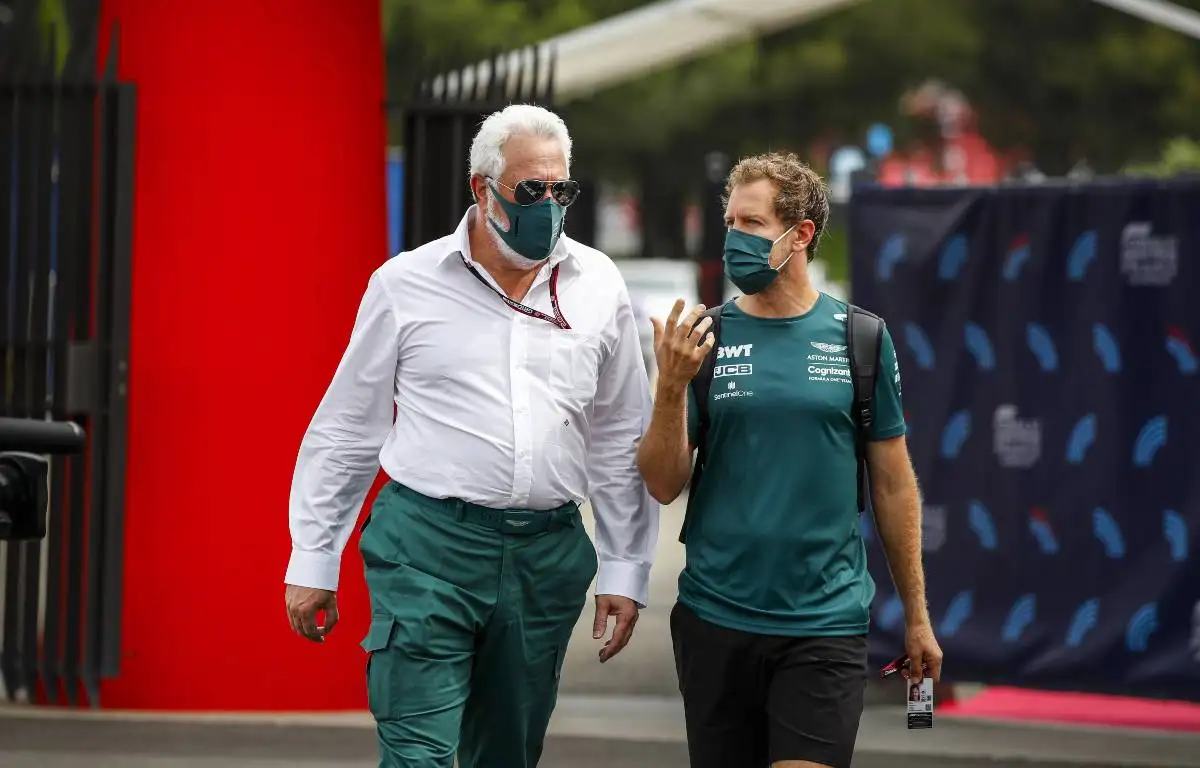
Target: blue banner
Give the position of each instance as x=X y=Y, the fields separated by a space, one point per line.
x=394 y=176
x=1047 y=345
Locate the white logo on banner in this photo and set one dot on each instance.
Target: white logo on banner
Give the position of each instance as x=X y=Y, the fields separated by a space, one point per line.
x=1195 y=644
x=1145 y=259
x=933 y=528
x=1017 y=442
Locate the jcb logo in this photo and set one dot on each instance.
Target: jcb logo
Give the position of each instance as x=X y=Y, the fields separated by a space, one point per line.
x=736 y=369
x=741 y=350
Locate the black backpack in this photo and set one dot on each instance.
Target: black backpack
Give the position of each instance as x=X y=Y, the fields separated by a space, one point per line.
x=864 y=339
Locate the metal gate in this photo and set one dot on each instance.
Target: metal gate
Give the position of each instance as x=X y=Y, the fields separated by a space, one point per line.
x=440 y=120
x=66 y=199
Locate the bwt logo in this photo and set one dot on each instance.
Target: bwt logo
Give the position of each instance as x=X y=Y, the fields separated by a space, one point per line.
x=1150 y=439
x=1018 y=254
x=919 y=346
x=1175 y=531
x=891 y=253
x=740 y=350
x=736 y=369
x=1142 y=625
x=1106 y=530
x=955 y=434
x=1083 y=435
x=1084 y=620
x=952 y=258
x=957 y=613
x=980 y=346
x=890 y=612
x=1042 y=347
x=1083 y=253
x=1042 y=531
x=1180 y=348
x=981 y=523
x=1145 y=259
x=1105 y=347
x=1020 y=617
x=1016 y=442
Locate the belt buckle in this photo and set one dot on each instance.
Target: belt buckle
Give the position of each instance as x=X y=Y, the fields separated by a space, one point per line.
x=518 y=522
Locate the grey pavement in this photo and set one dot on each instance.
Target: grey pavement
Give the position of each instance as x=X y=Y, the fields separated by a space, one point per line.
x=646 y=666
x=623 y=714
x=637 y=732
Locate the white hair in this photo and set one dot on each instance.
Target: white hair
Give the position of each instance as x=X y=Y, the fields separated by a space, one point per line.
x=487 y=148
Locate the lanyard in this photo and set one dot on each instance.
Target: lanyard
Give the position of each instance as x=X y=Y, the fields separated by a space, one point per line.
x=558 y=318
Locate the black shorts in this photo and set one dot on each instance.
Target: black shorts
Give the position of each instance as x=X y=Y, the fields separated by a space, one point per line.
x=752 y=700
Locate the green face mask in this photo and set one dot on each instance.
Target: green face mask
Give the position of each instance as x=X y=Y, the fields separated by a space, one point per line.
x=533 y=230
x=748 y=260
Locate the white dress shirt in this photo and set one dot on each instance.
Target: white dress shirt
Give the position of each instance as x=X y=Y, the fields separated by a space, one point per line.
x=490 y=406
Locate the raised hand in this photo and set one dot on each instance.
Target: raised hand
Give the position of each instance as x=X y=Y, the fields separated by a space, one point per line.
x=680 y=347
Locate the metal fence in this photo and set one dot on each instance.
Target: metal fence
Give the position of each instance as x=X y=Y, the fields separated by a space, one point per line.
x=66 y=199
x=440 y=119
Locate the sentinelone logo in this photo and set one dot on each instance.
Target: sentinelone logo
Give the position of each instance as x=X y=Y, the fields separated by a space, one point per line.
x=731 y=390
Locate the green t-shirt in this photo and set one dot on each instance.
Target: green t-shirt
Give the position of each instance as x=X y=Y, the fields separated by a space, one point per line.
x=774 y=544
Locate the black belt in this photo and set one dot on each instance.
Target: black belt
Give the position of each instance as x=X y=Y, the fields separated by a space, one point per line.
x=514 y=522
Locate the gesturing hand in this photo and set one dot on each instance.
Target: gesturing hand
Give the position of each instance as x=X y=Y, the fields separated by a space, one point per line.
x=680 y=347
x=303 y=604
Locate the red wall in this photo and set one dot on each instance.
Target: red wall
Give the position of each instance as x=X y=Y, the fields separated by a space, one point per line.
x=259 y=217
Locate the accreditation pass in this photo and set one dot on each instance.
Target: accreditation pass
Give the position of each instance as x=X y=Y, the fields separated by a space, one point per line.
x=920 y=703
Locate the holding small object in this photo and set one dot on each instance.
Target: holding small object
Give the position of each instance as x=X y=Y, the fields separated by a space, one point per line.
x=780 y=411
x=919 y=706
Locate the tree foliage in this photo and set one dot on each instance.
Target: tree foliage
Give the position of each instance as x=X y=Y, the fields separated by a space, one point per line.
x=1180 y=155
x=1063 y=80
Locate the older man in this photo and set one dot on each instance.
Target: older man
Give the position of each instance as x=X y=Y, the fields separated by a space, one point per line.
x=491 y=373
x=770 y=631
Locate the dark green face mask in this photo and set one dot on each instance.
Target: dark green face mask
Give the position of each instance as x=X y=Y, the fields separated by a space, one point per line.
x=533 y=230
x=748 y=260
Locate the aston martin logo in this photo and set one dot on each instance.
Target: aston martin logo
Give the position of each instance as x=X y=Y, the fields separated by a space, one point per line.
x=830 y=349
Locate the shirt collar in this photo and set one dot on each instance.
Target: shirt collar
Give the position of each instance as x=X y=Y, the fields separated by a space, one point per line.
x=461 y=241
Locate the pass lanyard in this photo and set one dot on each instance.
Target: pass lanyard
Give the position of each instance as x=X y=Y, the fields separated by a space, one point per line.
x=558 y=318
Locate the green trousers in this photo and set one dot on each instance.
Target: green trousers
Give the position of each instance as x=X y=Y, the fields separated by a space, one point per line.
x=471 y=610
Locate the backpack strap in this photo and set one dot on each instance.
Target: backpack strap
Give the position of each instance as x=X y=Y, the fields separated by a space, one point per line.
x=701 y=385
x=864 y=340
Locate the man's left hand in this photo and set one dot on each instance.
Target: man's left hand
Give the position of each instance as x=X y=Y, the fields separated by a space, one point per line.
x=625 y=611
x=924 y=654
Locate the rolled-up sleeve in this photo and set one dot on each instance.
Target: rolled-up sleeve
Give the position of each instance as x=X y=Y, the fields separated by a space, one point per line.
x=625 y=513
x=339 y=455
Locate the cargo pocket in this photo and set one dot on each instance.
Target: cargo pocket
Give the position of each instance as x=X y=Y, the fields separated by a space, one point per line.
x=379 y=662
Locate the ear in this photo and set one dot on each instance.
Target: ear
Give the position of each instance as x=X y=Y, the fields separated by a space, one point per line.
x=804 y=235
x=478 y=188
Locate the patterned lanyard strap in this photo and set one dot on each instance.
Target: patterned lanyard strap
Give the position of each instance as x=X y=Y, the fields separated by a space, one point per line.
x=558 y=318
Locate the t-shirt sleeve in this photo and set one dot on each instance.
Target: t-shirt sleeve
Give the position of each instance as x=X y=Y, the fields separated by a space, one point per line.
x=889 y=408
x=693 y=416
